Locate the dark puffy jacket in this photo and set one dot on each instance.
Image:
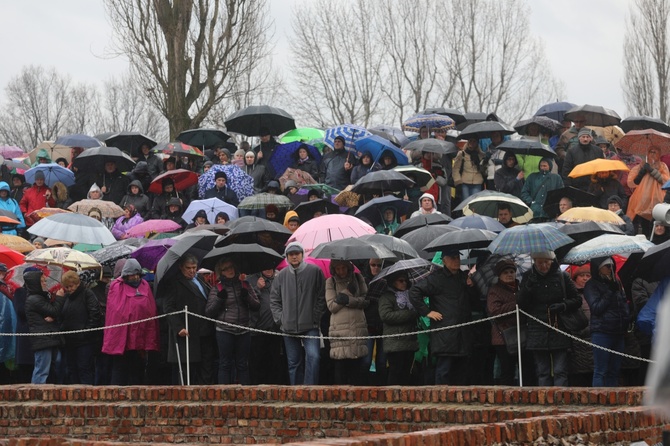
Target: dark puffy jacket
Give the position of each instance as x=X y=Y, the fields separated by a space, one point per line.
x=610 y=311
x=38 y=306
x=81 y=310
x=262 y=318
x=576 y=155
x=234 y=306
x=453 y=298
x=397 y=321
x=536 y=293
x=116 y=185
x=141 y=202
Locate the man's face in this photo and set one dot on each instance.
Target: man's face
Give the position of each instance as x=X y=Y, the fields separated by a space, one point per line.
x=16 y=182
x=543 y=265
x=189 y=269
x=265 y=138
x=338 y=144
x=427 y=203
x=389 y=215
x=134 y=190
x=504 y=216
x=452 y=262
x=510 y=162
x=250 y=159
x=173 y=208
x=220 y=182
x=170 y=166
x=39 y=182
x=294 y=258
x=579 y=122
x=145 y=149
x=544 y=166
x=564 y=205
x=496 y=138
x=110 y=166
x=585 y=140
x=293 y=225
x=168 y=188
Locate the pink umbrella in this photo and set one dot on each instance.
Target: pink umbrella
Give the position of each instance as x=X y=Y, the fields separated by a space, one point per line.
x=11 y=151
x=153 y=227
x=328 y=228
x=323 y=264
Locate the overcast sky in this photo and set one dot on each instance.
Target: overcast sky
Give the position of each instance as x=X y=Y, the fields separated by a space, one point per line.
x=583 y=41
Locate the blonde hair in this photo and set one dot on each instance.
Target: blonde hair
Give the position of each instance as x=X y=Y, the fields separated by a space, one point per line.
x=70 y=278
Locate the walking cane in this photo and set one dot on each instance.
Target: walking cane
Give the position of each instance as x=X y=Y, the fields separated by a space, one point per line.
x=181 y=374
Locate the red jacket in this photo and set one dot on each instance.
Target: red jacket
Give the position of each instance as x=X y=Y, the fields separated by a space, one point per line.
x=34 y=199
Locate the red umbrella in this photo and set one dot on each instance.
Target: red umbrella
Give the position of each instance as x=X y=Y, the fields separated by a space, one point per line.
x=638 y=142
x=182 y=178
x=39 y=214
x=53 y=273
x=10 y=257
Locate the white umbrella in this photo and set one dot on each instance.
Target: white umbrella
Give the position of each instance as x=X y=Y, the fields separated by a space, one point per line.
x=72 y=227
x=607 y=245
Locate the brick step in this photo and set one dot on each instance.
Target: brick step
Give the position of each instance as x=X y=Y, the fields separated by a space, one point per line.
x=553 y=396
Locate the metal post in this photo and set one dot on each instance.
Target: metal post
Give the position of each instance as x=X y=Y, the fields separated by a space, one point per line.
x=188 y=356
x=518 y=345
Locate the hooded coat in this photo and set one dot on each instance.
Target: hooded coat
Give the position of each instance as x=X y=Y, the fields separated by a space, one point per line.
x=505 y=178
x=347 y=320
x=603 y=189
x=38 y=307
x=10 y=204
x=537 y=186
x=115 y=184
x=257 y=172
x=141 y=201
x=421 y=211
x=397 y=321
x=126 y=303
x=648 y=193
x=610 y=310
x=578 y=154
x=41 y=153
x=361 y=170
x=386 y=227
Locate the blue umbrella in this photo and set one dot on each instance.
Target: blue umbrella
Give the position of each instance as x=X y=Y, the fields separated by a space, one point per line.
x=285 y=155
x=554 y=110
x=78 y=140
x=432 y=121
x=241 y=183
x=53 y=173
x=350 y=132
x=377 y=145
x=478 y=222
x=212 y=206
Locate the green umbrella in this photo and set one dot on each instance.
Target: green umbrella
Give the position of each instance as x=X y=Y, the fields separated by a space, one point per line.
x=163 y=235
x=302 y=134
x=87 y=247
x=318 y=143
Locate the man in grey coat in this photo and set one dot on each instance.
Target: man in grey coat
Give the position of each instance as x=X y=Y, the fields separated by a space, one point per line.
x=297 y=301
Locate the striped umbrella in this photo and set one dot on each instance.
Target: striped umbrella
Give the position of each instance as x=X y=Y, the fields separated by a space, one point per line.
x=527 y=239
x=350 y=132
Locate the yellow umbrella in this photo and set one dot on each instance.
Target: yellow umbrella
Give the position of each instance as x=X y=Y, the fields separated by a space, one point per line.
x=597 y=165
x=16 y=243
x=65 y=257
x=582 y=214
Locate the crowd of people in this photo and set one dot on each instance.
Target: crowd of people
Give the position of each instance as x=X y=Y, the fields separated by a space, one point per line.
x=269 y=325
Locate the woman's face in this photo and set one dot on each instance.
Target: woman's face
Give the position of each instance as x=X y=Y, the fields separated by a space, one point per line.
x=400 y=283
x=366 y=160
x=200 y=220
x=249 y=159
x=134 y=190
x=228 y=270
x=95 y=194
x=581 y=279
x=659 y=229
x=341 y=270
x=302 y=153
x=220 y=220
x=126 y=213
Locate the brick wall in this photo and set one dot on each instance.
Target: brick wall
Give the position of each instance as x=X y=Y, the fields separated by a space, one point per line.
x=321 y=415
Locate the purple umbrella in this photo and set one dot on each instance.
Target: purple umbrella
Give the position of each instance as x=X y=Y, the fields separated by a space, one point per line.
x=150 y=254
x=11 y=151
x=153 y=227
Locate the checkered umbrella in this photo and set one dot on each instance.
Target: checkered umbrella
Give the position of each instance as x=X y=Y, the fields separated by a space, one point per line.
x=526 y=239
x=416 y=269
x=259 y=201
x=350 y=132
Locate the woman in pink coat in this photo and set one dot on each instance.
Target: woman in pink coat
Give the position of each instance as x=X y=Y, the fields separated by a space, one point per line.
x=130 y=299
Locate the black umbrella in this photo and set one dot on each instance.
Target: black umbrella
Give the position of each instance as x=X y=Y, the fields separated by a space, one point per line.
x=433 y=146
x=198 y=243
x=583 y=232
x=420 y=221
x=554 y=110
x=527 y=147
x=463 y=239
x=474 y=117
x=217 y=228
x=643 y=123
x=112 y=253
x=416 y=269
x=255 y=230
x=453 y=113
x=420 y=239
x=484 y=129
x=129 y=142
x=307 y=209
x=578 y=197
x=548 y=124
x=382 y=181
x=351 y=249
x=249 y=121
x=654 y=263
x=373 y=209
x=399 y=247
x=93 y=160
x=594 y=115
x=249 y=258
x=204 y=138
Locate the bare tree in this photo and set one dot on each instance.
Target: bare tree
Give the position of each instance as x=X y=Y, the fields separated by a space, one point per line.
x=37 y=106
x=497 y=64
x=188 y=55
x=337 y=61
x=646 y=59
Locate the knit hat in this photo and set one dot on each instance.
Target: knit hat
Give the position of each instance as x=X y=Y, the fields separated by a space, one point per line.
x=208 y=164
x=543 y=255
x=294 y=247
x=240 y=152
x=341 y=138
x=615 y=199
x=290 y=183
x=220 y=174
x=38 y=240
x=504 y=264
x=39 y=175
x=583 y=269
x=174 y=201
x=584 y=131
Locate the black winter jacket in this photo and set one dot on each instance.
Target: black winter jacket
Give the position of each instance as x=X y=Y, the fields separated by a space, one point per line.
x=38 y=307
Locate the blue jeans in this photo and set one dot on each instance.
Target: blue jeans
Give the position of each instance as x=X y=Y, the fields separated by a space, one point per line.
x=303 y=357
x=606 y=365
x=43 y=361
x=470 y=189
x=551 y=367
x=233 y=350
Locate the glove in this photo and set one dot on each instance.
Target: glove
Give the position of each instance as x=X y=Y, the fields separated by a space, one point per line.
x=647 y=167
x=557 y=308
x=639 y=176
x=223 y=294
x=341 y=299
x=352 y=288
